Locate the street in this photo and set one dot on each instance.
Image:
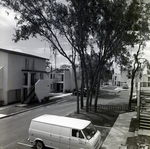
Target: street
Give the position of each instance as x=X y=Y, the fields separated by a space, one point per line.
x=14 y=129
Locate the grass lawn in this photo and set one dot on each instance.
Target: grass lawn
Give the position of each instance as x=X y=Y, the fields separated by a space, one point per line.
x=106 y=117
x=132 y=141
x=103 y=119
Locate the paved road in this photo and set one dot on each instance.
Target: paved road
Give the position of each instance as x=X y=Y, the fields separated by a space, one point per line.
x=15 y=129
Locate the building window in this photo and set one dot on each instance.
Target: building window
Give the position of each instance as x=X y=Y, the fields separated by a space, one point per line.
x=25 y=78
x=149 y=79
x=53 y=76
x=26 y=63
x=41 y=75
x=62 y=78
x=51 y=86
x=33 y=79
x=32 y=64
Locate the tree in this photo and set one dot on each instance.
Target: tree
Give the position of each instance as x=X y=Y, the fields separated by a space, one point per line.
x=111 y=25
x=142 y=32
x=138 y=64
x=52 y=20
x=115 y=29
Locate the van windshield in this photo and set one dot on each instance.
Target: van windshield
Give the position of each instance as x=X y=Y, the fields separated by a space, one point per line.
x=89 y=131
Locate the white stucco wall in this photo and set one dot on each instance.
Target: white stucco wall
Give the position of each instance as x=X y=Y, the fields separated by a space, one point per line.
x=11 y=74
x=15 y=75
x=1 y=77
x=16 y=64
x=67 y=81
x=39 y=64
x=4 y=64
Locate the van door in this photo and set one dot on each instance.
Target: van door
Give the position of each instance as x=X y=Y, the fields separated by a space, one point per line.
x=77 y=140
x=64 y=138
x=55 y=136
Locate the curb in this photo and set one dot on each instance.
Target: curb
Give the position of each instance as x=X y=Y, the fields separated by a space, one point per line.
x=36 y=107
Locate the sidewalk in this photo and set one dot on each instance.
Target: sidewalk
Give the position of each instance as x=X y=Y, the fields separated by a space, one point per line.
x=9 y=110
x=119 y=132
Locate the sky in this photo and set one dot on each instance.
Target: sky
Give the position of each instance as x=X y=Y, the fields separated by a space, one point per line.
x=33 y=45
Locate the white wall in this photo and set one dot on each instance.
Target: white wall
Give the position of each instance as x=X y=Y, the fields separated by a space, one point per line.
x=4 y=64
x=12 y=76
x=15 y=74
x=1 y=77
x=15 y=67
x=67 y=80
x=42 y=89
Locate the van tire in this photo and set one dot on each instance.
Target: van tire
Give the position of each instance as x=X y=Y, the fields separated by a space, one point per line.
x=39 y=145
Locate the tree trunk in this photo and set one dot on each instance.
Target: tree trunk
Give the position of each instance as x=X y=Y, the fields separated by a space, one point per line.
x=132 y=86
x=91 y=98
x=84 y=71
x=76 y=84
x=97 y=91
x=82 y=90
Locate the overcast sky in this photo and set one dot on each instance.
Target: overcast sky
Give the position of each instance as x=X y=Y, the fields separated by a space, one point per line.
x=32 y=46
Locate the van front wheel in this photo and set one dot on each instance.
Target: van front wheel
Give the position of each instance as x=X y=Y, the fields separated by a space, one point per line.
x=39 y=145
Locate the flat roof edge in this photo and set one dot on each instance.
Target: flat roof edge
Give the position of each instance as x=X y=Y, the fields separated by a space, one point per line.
x=22 y=53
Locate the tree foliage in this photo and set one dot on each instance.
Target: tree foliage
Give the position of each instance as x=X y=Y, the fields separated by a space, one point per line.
x=97 y=31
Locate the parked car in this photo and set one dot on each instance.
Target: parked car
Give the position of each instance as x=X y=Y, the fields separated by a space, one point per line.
x=134 y=98
x=63 y=132
x=125 y=86
x=79 y=92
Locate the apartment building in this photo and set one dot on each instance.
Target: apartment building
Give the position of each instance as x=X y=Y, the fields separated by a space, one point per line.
x=119 y=78
x=145 y=79
x=63 y=80
x=124 y=76
x=18 y=74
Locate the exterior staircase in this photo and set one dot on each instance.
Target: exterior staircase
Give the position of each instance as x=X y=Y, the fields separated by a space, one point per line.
x=145 y=117
x=30 y=97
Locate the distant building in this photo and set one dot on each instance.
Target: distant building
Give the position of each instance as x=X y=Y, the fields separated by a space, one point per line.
x=145 y=79
x=25 y=77
x=124 y=76
x=63 y=80
x=18 y=74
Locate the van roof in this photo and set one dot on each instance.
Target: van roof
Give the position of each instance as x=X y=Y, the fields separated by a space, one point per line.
x=63 y=121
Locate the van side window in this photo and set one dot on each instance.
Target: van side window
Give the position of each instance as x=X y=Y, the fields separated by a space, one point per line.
x=77 y=133
x=74 y=132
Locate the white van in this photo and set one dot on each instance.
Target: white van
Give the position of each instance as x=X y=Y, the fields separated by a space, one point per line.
x=63 y=133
